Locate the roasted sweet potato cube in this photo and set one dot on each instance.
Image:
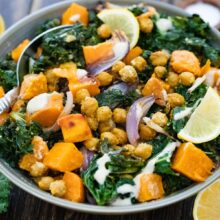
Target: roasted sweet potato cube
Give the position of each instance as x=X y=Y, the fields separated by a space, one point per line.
x=151 y=187
x=192 y=162
x=75 y=128
x=16 y=53
x=3 y=117
x=2 y=92
x=27 y=161
x=63 y=157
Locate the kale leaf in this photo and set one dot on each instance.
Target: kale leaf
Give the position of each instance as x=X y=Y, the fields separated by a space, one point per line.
x=48 y=25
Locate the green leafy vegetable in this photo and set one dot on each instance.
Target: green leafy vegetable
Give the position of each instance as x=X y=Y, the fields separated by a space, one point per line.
x=48 y=25
x=138 y=10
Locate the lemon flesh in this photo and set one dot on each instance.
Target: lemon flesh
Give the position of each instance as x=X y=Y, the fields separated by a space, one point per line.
x=2 y=25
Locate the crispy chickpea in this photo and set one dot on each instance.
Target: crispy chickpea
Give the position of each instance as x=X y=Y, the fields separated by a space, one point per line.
x=104 y=113
x=128 y=74
x=93 y=123
x=129 y=149
x=45 y=182
x=113 y=140
x=160 y=71
x=139 y=63
x=146 y=24
x=38 y=169
x=175 y=99
x=173 y=79
x=187 y=78
x=104 y=31
x=106 y=126
x=159 y=58
x=119 y=115
x=58 y=188
x=160 y=119
x=146 y=133
x=121 y=135
x=91 y=144
x=89 y=106
x=81 y=95
x=143 y=150
x=105 y=78
x=118 y=66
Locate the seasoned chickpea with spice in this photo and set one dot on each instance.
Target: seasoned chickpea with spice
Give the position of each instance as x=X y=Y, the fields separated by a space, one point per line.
x=128 y=74
x=173 y=79
x=105 y=78
x=121 y=135
x=93 y=123
x=81 y=95
x=38 y=169
x=175 y=99
x=118 y=66
x=159 y=58
x=187 y=78
x=58 y=188
x=146 y=133
x=104 y=31
x=146 y=24
x=112 y=139
x=160 y=119
x=143 y=150
x=89 y=106
x=91 y=144
x=106 y=125
x=129 y=149
x=119 y=115
x=160 y=71
x=139 y=63
x=104 y=113
x=44 y=182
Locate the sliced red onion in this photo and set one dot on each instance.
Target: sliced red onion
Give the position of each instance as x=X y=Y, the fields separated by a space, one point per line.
x=197 y=83
x=88 y=156
x=90 y=199
x=120 y=49
x=136 y=112
x=123 y=87
x=66 y=111
x=81 y=73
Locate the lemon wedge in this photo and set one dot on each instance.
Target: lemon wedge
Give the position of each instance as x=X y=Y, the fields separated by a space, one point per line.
x=2 y=25
x=122 y=19
x=204 y=123
x=207 y=203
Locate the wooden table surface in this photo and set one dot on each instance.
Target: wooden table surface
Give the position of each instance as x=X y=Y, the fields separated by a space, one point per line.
x=24 y=206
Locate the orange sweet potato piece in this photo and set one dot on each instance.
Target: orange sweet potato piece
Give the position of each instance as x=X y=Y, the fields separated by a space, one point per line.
x=40 y=147
x=39 y=52
x=27 y=161
x=16 y=53
x=63 y=157
x=3 y=117
x=206 y=67
x=32 y=85
x=75 y=128
x=192 y=162
x=2 y=92
x=18 y=105
x=185 y=61
x=133 y=53
x=76 y=13
x=151 y=187
x=74 y=187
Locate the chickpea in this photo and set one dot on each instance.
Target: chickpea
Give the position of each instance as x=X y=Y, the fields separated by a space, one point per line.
x=89 y=106
x=146 y=133
x=118 y=66
x=45 y=182
x=129 y=149
x=128 y=74
x=112 y=139
x=119 y=115
x=38 y=169
x=91 y=144
x=93 y=123
x=159 y=58
x=173 y=79
x=58 y=188
x=104 y=113
x=139 y=63
x=175 y=99
x=187 y=78
x=81 y=95
x=106 y=126
x=143 y=150
x=104 y=31
x=160 y=119
x=160 y=71
x=146 y=24
x=105 y=78
x=121 y=135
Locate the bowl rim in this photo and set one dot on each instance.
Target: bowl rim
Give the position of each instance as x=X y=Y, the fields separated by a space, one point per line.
x=87 y=208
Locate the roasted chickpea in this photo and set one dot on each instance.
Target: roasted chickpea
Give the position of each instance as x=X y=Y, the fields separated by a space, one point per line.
x=38 y=169
x=104 y=113
x=159 y=58
x=118 y=66
x=119 y=115
x=160 y=71
x=187 y=78
x=104 y=31
x=93 y=123
x=139 y=63
x=160 y=119
x=146 y=24
x=45 y=182
x=175 y=99
x=105 y=78
x=89 y=106
x=129 y=149
x=121 y=135
x=58 y=188
x=106 y=126
x=146 y=133
x=143 y=150
x=81 y=95
x=112 y=139
x=128 y=74
x=91 y=144
x=173 y=79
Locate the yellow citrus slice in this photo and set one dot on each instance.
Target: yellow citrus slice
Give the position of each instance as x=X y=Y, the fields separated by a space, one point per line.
x=2 y=25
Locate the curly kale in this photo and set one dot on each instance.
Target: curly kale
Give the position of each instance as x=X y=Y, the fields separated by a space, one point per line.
x=48 y=25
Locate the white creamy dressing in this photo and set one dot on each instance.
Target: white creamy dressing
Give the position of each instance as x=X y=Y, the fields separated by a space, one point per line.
x=164 y=25
x=75 y=18
x=102 y=172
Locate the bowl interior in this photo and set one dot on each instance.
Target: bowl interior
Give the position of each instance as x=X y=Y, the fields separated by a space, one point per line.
x=26 y=29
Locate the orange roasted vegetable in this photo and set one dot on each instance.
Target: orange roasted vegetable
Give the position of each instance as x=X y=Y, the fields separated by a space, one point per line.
x=2 y=92
x=192 y=162
x=74 y=187
x=3 y=117
x=40 y=147
x=63 y=157
x=16 y=53
x=206 y=67
x=33 y=85
x=18 y=105
x=151 y=187
x=27 y=161
x=75 y=128
x=76 y=13
x=133 y=53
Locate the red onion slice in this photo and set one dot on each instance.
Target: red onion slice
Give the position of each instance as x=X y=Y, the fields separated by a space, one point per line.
x=136 y=112
x=88 y=156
